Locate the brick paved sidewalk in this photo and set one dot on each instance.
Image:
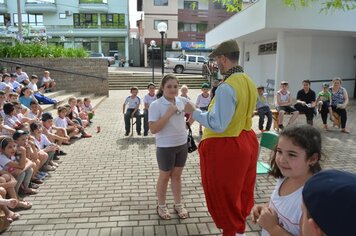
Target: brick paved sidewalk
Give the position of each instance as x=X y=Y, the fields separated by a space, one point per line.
x=106 y=184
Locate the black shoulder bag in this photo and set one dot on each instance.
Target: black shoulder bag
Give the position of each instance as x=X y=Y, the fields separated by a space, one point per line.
x=191 y=143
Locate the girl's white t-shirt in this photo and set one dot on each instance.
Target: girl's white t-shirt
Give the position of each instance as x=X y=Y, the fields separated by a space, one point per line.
x=59 y=122
x=288 y=208
x=33 y=87
x=3 y=161
x=203 y=101
x=42 y=142
x=174 y=133
x=149 y=99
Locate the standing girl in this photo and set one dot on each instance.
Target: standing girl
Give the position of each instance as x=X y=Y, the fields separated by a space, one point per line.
x=203 y=101
x=296 y=158
x=166 y=121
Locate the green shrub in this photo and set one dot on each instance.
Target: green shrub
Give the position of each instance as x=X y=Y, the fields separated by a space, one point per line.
x=39 y=50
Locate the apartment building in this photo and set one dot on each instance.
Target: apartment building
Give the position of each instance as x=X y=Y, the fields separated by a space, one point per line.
x=187 y=21
x=97 y=25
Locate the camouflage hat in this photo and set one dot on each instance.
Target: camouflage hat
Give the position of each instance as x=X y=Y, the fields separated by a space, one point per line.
x=225 y=48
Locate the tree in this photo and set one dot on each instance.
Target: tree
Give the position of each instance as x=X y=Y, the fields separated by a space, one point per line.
x=236 y=5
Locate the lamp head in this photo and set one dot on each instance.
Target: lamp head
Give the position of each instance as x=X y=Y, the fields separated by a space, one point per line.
x=162 y=27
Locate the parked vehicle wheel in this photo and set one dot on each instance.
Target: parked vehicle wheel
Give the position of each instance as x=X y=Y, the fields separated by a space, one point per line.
x=179 y=69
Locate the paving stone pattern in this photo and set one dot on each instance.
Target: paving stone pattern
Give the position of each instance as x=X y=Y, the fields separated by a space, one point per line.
x=106 y=184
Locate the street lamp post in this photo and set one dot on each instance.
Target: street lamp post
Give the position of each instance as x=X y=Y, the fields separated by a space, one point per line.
x=153 y=45
x=162 y=28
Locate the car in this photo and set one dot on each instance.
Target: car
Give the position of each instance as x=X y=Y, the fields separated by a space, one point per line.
x=110 y=60
x=185 y=62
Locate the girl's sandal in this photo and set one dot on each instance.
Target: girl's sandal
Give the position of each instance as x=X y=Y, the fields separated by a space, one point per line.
x=14 y=216
x=23 y=205
x=345 y=131
x=163 y=213
x=181 y=211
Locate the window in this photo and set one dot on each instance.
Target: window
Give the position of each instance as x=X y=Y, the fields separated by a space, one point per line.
x=156 y=22
x=161 y=2
x=192 y=27
x=201 y=59
x=112 y=20
x=191 y=59
x=194 y=5
x=85 y=20
x=268 y=48
x=187 y=27
x=31 y=19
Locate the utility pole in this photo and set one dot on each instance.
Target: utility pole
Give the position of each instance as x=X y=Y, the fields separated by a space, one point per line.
x=19 y=21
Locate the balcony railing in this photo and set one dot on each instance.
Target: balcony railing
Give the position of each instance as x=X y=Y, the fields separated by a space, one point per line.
x=100 y=6
x=93 y=1
x=43 y=6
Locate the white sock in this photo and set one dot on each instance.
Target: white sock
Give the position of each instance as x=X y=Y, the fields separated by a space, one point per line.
x=240 y=234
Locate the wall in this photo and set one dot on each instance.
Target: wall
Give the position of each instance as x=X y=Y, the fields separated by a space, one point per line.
x=259 y=67
x=68 y=81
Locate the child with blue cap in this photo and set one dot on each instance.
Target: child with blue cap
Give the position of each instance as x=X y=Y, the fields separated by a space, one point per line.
x=329 y=204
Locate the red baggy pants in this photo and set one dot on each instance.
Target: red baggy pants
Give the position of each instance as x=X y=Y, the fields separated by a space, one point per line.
x=228 y=172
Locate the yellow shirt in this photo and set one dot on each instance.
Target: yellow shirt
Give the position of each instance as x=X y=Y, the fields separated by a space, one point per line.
x=246 y=97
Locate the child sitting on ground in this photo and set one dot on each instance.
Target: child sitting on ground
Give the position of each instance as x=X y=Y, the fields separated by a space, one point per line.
x=203 y=101
x=82 y=114
x=54 y=134
x=13 y=160
x=87 y=107
x=263 y=110
x=133 y=110
x=74 y=114
x=35 y=112
x=71 y=127
x=296 y=158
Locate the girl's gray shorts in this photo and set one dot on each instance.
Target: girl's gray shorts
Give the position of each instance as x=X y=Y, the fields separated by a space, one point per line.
x=170 y=157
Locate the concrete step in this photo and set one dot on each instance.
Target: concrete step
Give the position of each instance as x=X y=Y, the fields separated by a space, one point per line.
x=62 y=99
x=55 y=93
x=95 y=102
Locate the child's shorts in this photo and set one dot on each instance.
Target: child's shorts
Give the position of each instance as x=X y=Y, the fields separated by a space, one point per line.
x=170 y=157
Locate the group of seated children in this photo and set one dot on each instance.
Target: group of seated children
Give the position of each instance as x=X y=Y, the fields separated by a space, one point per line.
x=30 y=143
x=19 y=82
x=131 y=106
x=330 y=100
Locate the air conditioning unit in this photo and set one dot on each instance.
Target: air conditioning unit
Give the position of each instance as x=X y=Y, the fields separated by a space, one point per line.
x=68 y=13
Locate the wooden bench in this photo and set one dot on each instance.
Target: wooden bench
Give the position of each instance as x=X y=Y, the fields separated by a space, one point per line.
x=275 y=116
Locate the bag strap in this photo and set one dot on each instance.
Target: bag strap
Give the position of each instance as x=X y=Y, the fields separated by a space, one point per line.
x=190 y=130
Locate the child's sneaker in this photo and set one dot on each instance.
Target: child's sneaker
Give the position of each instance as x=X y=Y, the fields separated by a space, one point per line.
x=127 y=133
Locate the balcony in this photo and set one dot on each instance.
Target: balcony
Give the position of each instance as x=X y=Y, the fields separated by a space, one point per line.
x=91 y=6
x=3 y=6
x=71 y=31
x=43 y=6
